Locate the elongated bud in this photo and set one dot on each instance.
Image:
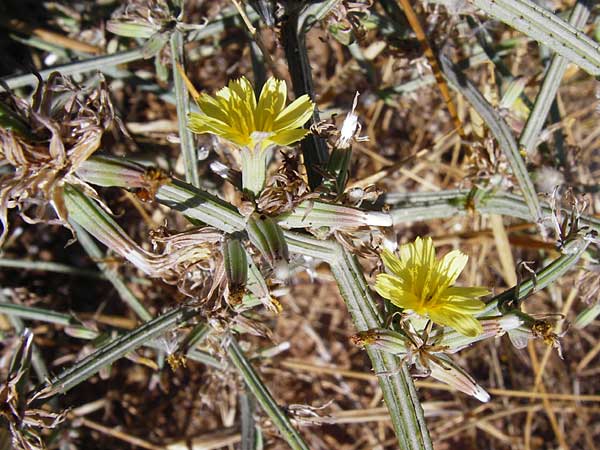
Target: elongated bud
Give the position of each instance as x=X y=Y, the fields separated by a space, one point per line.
x=97 y=222
x=142 y=30
x=267 y=237
x=337 y=166
x=444 y=370
x=109 y=171
x=492 y=327
x=236 y=265
x=316 y=214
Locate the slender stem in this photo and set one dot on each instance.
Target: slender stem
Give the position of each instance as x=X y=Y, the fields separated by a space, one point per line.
x=264 y=397
x=46 y=266
x=88 y=65
x=546 y=27
x=587 y=316
x=550 y=85
x=116 y=349
x=112 y=275
x=106 y=61
x=542 y=279
x=81 y=332
x=182 y=99
x=409 y=207
x=247 y=408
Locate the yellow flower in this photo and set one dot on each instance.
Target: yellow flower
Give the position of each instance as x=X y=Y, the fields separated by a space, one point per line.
x=235 y=115
x=419 y=282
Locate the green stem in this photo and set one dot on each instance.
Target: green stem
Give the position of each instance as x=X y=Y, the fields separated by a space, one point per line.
x=542 y=279
x=410 y=207
x=254 y=170
x=46 y=266
x=108 y=61
x=396 y=383
x=264 y=397
x=188 y=151
x=116 y=349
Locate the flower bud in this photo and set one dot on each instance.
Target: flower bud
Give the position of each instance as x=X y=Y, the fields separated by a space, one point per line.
x=267 y=236
x=236 y=265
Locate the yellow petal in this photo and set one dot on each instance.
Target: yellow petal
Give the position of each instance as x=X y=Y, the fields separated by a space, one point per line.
x=420 y=253
x=201 y=123
x=392 y=263
x=406 y=300
x=243 y=88
x=464 y=305
x=271 y=102
x=466 y=292
x=288 y=137
x=419 y=261
x=295 y=115
x=465 y=324
x=211 y=107
x=451 y=265
x=385 y=284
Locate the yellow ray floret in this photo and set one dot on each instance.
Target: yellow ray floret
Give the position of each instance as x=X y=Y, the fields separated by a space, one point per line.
x=419 y=282
x=234 y=114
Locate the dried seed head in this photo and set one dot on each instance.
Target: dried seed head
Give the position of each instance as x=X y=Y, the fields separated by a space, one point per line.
x=45 y=142
x=140 y=18
x=285 y=190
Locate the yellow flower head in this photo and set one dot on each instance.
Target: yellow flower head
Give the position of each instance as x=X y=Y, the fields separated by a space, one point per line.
x=419 y=282
x=234 y=114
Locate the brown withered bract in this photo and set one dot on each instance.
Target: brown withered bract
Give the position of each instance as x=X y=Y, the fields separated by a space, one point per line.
x=176 y=360
x=154 y=177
